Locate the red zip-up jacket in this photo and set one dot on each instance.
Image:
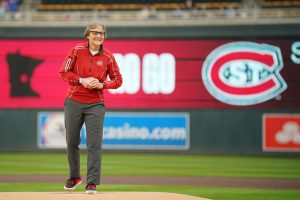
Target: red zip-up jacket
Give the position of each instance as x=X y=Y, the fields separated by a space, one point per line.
x=80 y=63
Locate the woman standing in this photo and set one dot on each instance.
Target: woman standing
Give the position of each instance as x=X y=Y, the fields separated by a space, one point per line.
x=86 y=68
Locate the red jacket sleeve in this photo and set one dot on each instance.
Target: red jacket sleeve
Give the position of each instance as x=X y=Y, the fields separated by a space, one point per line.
x=66 y=70
x=114 y=75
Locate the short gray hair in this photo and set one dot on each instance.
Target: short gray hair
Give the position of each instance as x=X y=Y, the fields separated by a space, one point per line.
x=93 y=25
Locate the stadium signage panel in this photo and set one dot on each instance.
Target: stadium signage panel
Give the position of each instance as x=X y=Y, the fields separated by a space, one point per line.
x=158 y=74
x=159 y=131
x=281 y=132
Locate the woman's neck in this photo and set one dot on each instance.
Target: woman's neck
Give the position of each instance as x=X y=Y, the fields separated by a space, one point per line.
x=94 y=48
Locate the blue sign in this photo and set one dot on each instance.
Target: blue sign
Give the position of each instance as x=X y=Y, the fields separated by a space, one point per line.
x=123 y=131
x=146 y=131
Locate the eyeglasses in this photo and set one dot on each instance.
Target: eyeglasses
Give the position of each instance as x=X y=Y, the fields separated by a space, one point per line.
x=95 y=33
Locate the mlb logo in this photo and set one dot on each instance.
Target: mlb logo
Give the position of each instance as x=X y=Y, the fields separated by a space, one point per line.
x=281 y=132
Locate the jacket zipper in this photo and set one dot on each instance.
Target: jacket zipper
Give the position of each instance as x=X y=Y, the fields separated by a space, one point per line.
x=91 y=63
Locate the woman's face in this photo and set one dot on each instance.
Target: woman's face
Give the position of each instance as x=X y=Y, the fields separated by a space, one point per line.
x=96 y=36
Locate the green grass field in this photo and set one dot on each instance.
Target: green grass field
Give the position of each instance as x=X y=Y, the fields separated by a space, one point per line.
x=159 y=165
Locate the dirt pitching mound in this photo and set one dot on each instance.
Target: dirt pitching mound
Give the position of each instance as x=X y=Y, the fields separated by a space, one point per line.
x=99 y=195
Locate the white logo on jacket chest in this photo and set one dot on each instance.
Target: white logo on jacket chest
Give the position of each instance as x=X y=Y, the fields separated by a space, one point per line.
x=100 y=63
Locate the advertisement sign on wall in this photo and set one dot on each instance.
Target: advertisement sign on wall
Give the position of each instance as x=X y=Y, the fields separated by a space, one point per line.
x=159 y=131
x=167 y=74
x=281 y=132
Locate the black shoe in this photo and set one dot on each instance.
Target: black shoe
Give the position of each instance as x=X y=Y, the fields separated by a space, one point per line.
x=72 y=183
x=90 y=188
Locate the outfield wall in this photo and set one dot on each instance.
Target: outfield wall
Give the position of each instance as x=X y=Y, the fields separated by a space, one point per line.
x=211 y=132
x=250 y=108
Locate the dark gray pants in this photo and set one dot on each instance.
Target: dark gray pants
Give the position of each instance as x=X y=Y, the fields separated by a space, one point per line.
x=93 y=115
